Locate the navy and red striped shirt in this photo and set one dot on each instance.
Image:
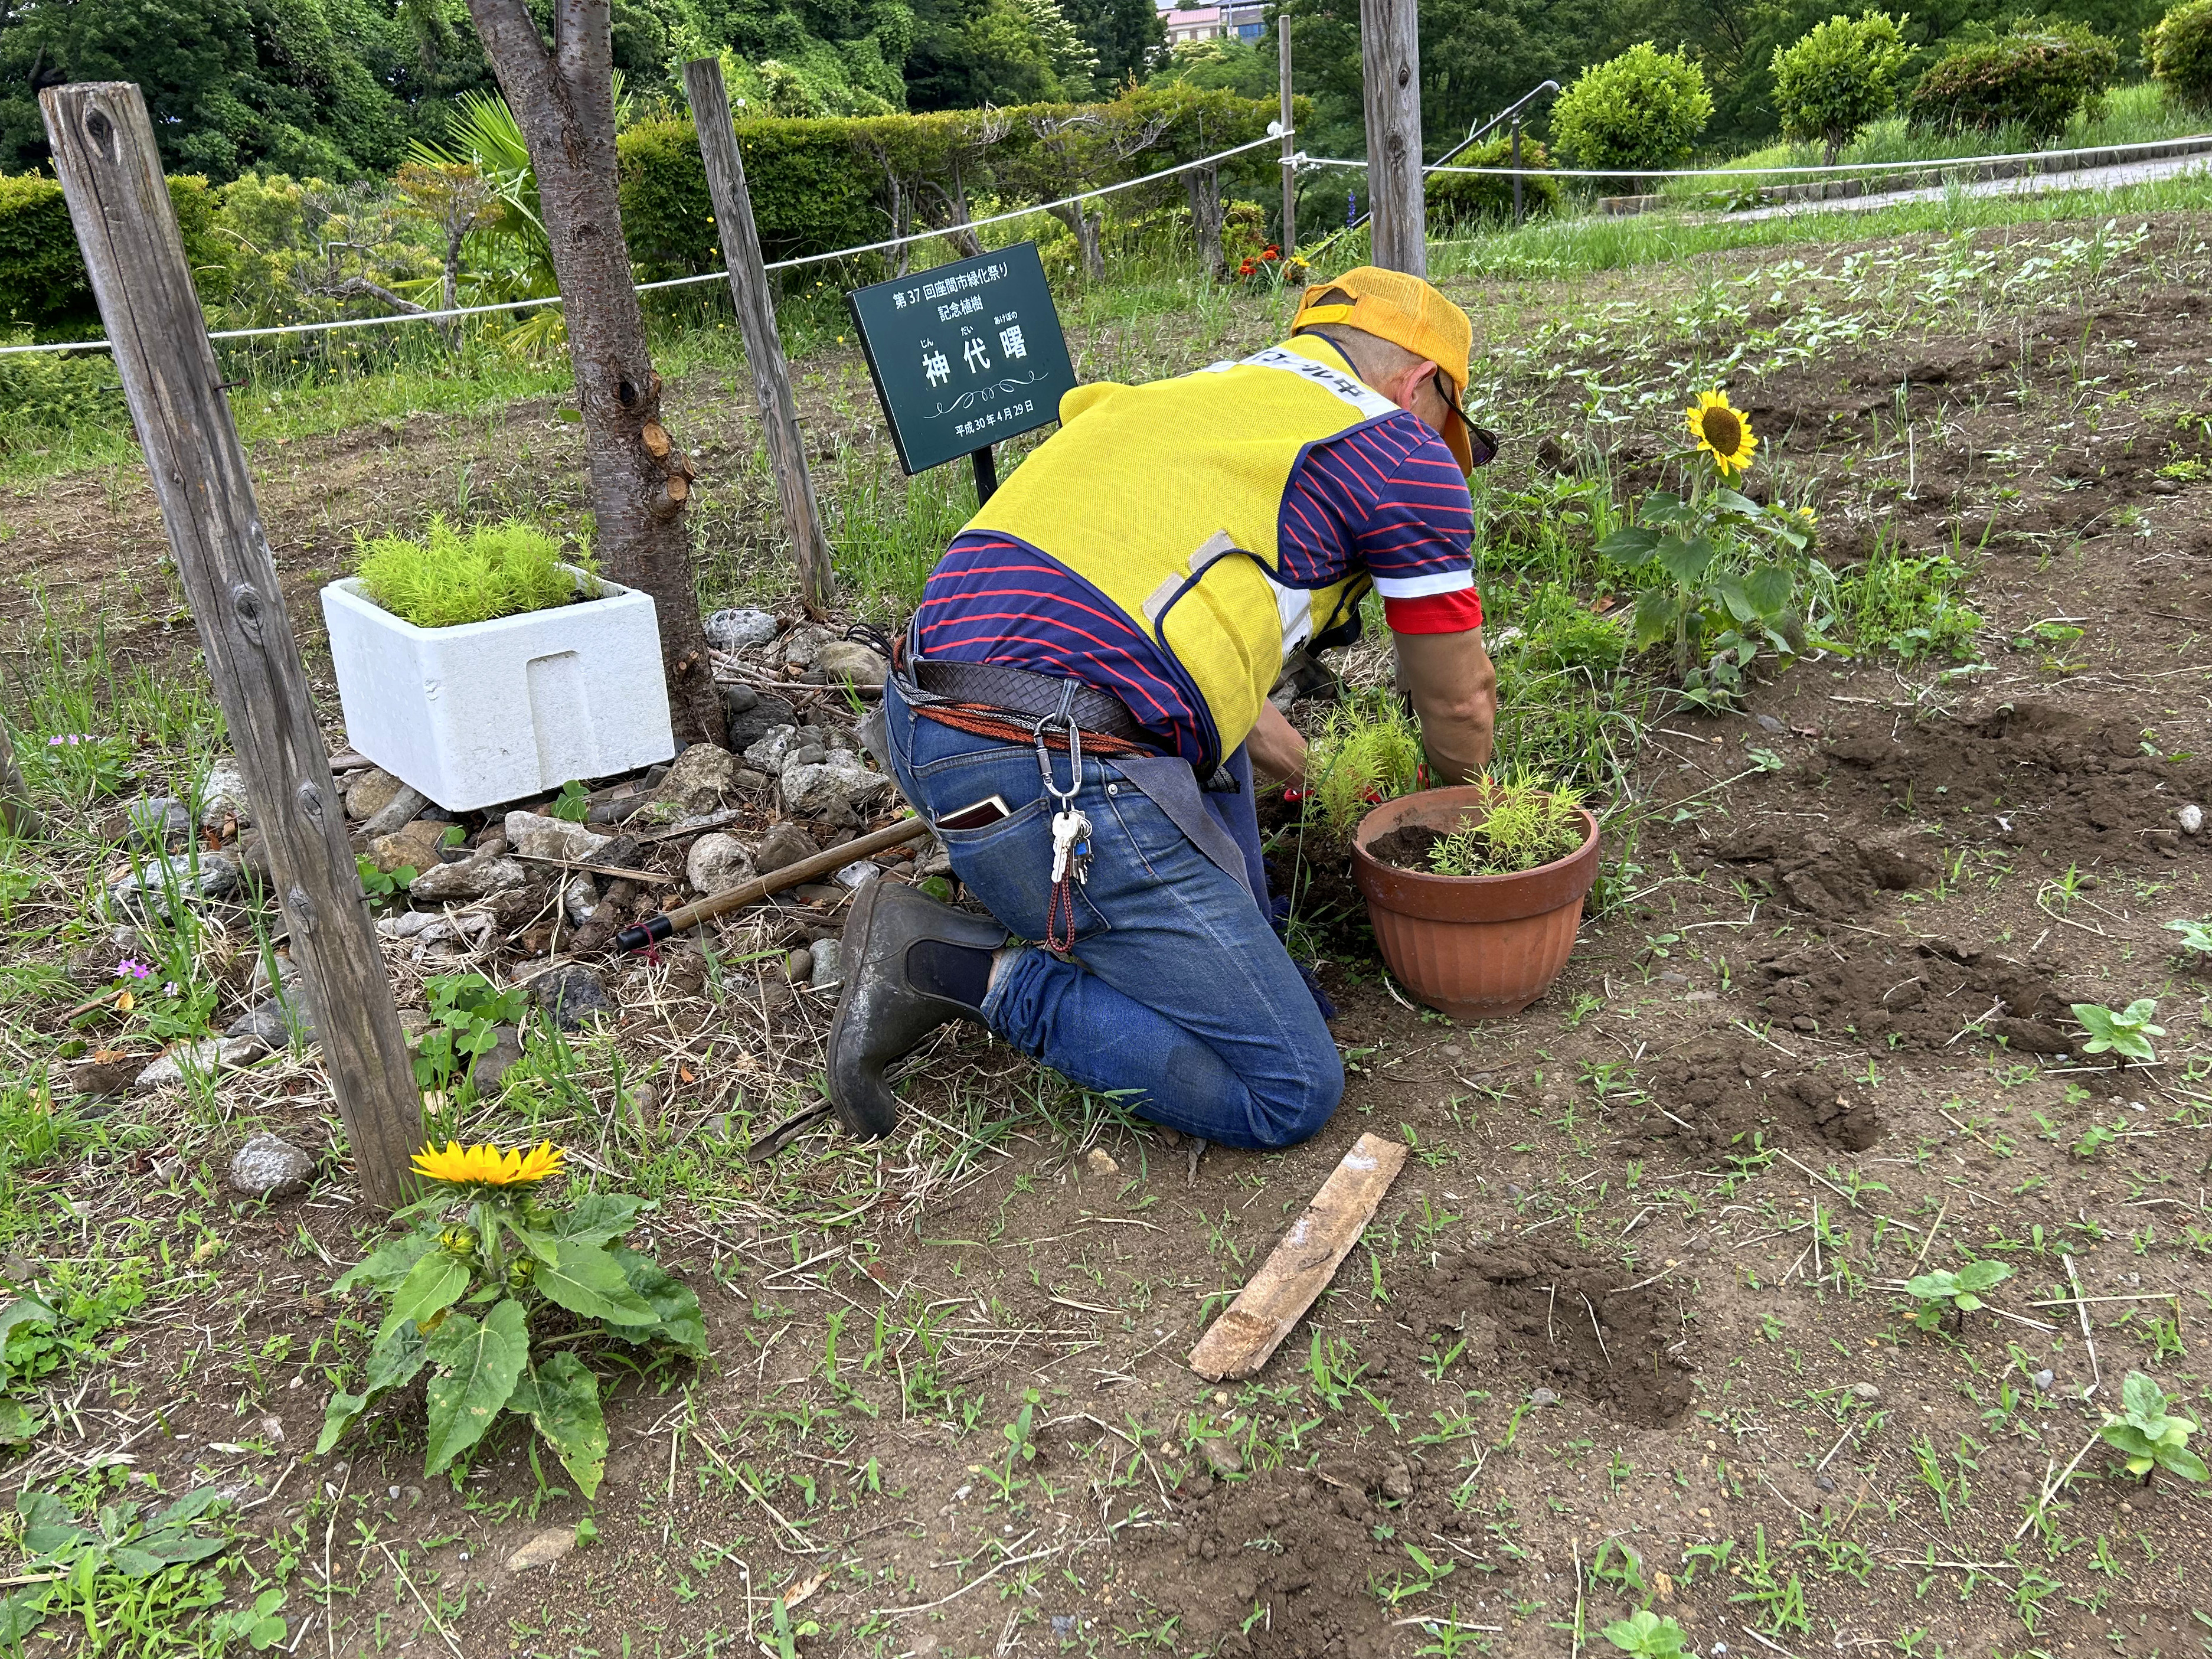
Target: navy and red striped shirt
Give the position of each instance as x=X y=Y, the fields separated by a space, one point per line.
x=1387 y=497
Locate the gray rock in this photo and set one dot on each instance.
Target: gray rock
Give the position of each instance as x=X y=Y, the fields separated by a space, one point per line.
x=1220 y=1456
x=763 y=711
x=1543 y=1397
x=268 y=1167
x=223 y=796
x=803 y=645
x=159 y=822
x=739 y=698
x=718 y=863
x=809 y=754
x=149 y=890
x=850 y=660
x=401 y=810
x=1866 y=1391
x=578 y=899
x=473 y=878
x=544 y=1550
x=273 y=1023
x=2042 y=1378
x=784 y=845
x=2190 y=817
x=371 y=792
x=857 y=874
x=415 y=846
x=798 y=966
x=829 y=969
x=493 y=1064
x=740 y=629
x=838 y=789
x=767 y=752
x=1767 y=723
x=572 y=995
x=287 y=972
x=208 y=1054
x=539 y=837
x=700 y=777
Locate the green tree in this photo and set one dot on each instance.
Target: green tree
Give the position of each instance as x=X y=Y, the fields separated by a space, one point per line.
x=1842 y=75
x=298 y=85
x=1645 y=108
x=1126 y=37
x=2179 y=50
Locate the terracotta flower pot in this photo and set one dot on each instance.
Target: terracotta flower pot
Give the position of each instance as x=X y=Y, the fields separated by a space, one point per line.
x=1473 y=947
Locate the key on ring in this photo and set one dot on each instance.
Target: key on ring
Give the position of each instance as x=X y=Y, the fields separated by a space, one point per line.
x=1071 y=845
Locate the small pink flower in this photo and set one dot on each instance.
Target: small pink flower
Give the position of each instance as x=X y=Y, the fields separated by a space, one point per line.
x=133 y=966
x=170 y=988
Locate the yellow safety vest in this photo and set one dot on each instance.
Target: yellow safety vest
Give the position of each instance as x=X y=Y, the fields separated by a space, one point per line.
x=1168 y=497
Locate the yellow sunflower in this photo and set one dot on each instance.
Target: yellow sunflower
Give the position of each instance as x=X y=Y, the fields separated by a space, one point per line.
x=487 y=1166
x=1723 y=431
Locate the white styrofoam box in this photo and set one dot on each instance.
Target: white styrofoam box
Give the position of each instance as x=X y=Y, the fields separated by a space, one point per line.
x=498 y=711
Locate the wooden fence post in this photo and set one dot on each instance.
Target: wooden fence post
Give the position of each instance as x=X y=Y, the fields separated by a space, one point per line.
x=111 y=172
x=1390 y=58
x=1289 y=145
x=741 y=252
x=15 y=813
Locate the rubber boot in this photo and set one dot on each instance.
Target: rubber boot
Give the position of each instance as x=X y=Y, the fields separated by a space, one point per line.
x=891 y=1000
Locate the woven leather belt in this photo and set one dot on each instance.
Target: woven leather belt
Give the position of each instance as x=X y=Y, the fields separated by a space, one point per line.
x=1031 y=696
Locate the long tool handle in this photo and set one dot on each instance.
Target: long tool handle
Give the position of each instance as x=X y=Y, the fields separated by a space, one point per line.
x=835 y=857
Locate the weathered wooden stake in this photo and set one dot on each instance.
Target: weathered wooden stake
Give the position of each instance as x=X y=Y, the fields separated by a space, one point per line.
x=1390 y=58
x=111 y=175
x=741 y=252
x=1289 y=145
x=15 y=811
x=1302 y=1263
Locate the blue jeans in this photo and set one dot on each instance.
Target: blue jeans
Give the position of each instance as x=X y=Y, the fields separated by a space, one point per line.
x=1181 y=999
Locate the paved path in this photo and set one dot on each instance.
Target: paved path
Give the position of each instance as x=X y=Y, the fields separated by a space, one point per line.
x=2104 y=178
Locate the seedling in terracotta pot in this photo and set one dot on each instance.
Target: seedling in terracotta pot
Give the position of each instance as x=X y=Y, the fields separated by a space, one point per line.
x=1523 y=824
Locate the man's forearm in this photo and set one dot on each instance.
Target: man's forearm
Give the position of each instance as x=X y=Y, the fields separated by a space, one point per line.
x=1454 y=690
x=1277 y=749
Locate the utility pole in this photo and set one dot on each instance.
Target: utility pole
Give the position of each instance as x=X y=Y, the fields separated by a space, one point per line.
x=1390 y=62
x=111 y=175
x=1290 y=243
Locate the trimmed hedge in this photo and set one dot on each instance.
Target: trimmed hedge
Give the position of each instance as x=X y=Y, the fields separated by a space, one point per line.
x=2035 y=78
x=2179 y=48
x=43 y=283
x=1643 y=109
x=809 y=193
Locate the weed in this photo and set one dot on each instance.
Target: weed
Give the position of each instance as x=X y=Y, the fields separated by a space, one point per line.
x=2150 y=1435
x=1368 y=750
x=1956 y=1292
x=2127 y=1032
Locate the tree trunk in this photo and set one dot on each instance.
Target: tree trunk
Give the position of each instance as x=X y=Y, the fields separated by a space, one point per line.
x=564 y=99
x=1085 y=226
x=966 y=243
x=1207 y=215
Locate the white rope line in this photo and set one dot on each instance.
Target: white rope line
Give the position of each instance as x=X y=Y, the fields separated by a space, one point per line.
x=722 y=276
x=2201 y=139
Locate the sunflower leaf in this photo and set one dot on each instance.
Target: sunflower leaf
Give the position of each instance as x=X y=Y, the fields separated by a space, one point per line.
x=384 y=1268
x=682 y=1324
x=434 y=1283
x=479 y=1363
x=1685 y=558
x=564 y=1407
x=1631 y=546
x=589 y=1281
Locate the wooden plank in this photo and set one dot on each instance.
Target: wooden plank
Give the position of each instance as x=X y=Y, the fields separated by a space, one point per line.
x=1390 y=62
x=741 y=252
x=111 y=175
x=1276 y=1297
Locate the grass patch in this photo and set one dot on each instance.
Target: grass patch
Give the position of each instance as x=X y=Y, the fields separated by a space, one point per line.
x=453 y=577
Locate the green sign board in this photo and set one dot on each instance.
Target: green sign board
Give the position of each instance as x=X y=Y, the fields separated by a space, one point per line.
x=964 y=355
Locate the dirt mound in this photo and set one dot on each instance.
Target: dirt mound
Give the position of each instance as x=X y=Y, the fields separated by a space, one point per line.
x=1919 y=998
x=1296 y=1555
x=1720 y=1093
x=1816 y=872
x=1564 y=1319
x=2028 y=773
